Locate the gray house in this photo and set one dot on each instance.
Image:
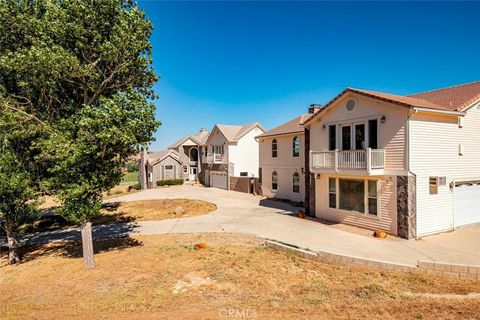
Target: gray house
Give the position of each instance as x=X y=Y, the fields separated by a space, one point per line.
x=162 y=165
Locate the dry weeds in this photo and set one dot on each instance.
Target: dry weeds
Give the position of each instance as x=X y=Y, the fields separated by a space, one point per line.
x=162 y=276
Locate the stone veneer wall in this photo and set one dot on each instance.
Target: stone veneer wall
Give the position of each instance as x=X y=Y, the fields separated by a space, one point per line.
x=211 y=167
x=406 y=207
x=309 y=202
x=242 y=184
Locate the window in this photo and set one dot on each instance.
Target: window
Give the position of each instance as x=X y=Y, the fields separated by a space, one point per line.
x=243 y=174
x=360 y=136
x=218 y=149
x=372 y=197
x=296 y=182
x=332 y=192
x=352 y=195
x=332 y=137
x=274 y=180
x=168 y=167
x=433 y=185
x=373 y=133
x=206 y=151
x=185 y=169
x=296 y=146
x=346 y=137
x=274 y=148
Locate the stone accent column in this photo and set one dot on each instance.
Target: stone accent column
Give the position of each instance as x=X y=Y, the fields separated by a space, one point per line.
x=406 y=207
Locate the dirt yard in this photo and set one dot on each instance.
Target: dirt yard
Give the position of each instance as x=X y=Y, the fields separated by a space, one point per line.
x=154 y=210
x=164 y=277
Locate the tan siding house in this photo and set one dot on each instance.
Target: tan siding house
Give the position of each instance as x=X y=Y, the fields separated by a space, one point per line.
x=282 y=161
x=409 y=165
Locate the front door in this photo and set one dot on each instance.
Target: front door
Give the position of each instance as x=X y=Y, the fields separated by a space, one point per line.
x=193 y=174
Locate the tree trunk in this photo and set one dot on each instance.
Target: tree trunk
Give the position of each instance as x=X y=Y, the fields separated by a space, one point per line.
x=141 y=169
x=87 y=244
x=13 y=256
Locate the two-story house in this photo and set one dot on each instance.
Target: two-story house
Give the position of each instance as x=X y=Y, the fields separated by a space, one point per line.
x=189 y=148
x=409 y=165
x=282 y=160
x=230 y=155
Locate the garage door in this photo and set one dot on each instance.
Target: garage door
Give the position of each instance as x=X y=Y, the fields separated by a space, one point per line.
x=467 y=204
x=218 y=179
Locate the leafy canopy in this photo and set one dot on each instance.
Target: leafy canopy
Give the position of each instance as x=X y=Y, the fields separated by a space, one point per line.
x=81 y=70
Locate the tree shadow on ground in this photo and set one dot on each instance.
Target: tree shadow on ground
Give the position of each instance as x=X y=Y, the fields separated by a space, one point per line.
x=72 y=248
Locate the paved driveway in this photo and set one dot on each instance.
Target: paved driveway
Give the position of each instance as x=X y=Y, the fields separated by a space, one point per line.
x=239 y=212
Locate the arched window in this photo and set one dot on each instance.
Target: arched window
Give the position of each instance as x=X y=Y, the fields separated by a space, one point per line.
x=274 y=180
x=296 y=182
x=274 y=148
x=296 y=147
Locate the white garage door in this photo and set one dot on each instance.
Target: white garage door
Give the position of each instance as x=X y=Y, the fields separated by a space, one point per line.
x=467 y=204
x=218 y=179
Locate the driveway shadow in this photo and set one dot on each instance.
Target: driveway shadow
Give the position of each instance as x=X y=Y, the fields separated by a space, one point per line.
x=283 y=207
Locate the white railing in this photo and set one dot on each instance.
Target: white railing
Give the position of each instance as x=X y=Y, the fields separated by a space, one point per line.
x=348 y=159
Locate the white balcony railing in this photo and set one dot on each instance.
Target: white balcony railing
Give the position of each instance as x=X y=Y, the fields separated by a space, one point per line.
x=214 y=158
x=337 y=160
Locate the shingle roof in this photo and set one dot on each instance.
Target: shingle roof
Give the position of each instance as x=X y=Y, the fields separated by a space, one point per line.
x=454 y=98
x=292 y=126
x=233 y=133
x=153 y=157
x=200 y=138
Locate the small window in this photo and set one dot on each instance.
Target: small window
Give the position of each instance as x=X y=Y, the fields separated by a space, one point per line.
x=332 y=137
x=433 y=185
x=332 y=193
x=274 y=148
x=206 y=151
x=243 y=174
x=296 y=146
x=296 y=182
x=372 y=197
x=274 y=180
x=168 y=167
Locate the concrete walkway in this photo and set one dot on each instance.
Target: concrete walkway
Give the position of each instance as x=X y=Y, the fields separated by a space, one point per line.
x=243 y=213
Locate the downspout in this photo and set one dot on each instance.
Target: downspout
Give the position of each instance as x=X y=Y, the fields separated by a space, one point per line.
x=409 y=172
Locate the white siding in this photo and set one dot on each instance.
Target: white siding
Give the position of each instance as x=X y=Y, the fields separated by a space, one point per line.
x=434 y=151
x=244 y=155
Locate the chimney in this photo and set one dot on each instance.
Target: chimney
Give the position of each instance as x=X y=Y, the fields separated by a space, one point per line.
x=202 y=130
x=314 y=107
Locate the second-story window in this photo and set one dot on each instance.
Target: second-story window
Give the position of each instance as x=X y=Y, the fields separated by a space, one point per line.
x=274 y=148
x=296 y=146
x=332 y=137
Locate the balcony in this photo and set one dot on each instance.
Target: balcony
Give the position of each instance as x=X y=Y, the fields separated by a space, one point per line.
x=214 y=158
x=369 y=161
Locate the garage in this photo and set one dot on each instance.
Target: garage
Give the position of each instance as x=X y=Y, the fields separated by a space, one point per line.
x=218 y=179
x=467 y=203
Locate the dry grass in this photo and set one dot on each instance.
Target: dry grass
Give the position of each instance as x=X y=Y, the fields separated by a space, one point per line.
x=153 y=210
x=151 y=277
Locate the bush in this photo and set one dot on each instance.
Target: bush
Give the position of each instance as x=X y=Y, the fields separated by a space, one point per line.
x=136 y=186
x=132 y=167
x=172 y=182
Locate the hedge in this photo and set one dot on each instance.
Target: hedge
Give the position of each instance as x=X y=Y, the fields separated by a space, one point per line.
x=172 y=182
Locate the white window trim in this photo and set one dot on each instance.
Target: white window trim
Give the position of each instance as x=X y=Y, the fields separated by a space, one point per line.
x=365 y=195
x=352 y=123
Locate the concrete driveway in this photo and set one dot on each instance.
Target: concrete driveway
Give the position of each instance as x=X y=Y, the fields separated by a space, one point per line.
x=244 y=213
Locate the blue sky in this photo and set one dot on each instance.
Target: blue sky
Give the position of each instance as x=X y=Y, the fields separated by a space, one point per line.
x=240 y=62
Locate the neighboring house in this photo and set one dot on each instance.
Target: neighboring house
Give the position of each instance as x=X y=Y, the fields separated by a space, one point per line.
x=162 y=165
x=188 y=149
x=282 y=160
x=230 y=156
x=409 y=165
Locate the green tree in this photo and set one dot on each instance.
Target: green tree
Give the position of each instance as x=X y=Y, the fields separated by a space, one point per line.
x=82 y=68
x=17 y=198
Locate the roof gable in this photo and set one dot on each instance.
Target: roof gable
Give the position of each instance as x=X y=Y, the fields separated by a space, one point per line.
x=293 y=126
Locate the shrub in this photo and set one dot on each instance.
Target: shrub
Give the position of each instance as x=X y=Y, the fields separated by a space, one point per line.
x=137 y=186
x=171 y=182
